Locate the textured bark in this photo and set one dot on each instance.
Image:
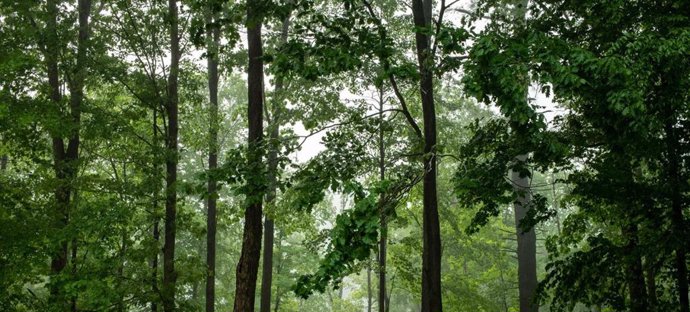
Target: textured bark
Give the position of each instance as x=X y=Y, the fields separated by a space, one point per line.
x=272 y=158
x=169 y=274
x=431 y=256
x=248 y=266
x=213 y=35
x=383 y=239
x=527 y=244
x=634 y=271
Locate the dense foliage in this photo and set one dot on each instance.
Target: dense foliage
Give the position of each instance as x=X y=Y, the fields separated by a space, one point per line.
x=304 y=155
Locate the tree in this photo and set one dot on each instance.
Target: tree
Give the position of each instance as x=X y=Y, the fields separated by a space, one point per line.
x=66 y=158
x=616 y=113
x=213 y=39
x=248 y=266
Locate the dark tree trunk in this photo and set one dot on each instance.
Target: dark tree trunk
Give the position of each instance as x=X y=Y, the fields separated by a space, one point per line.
x=526 y=244
x=431 y=257
x=650 y=272
x=65 y=160
x=678 y=220
x=3 y=162
x=634 y=271
x=248 y=266
x=383 y=240
x=272 y=158
x=169 y=274
x=212 y=61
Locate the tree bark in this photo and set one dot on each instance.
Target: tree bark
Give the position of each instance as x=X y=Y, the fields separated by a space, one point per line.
x=431 y=257
x=213 y=34
x=248 y=266
x=383 y=240
x=3 y=162
x=65 y=161
x=526 y=243
x=171 y=159
x=634 y=271
x=272 y=158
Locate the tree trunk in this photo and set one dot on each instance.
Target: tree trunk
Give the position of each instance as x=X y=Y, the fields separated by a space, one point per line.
x=431 y=257
x=267 y=269
x=526 y=244
x=650 y=271
x=154 y=212
x=169 y=274
x=678 y=221
x=3 y=162
x=383 y=240
x=73 y=260
x=526 y=241
x=65 y=160
x=634 y=273
x=248 y=266
x=213 y=35
x=278 y=270
x=369 y=285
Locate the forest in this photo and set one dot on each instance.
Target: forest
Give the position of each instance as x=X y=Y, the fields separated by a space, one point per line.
x=344 y=155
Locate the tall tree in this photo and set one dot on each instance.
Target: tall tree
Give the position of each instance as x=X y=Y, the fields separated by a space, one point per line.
x=526 y=236
x=271 y=180
x=431 y=255
x=213 y=40
x=171 y=160
x=248 y=266
x=383 y=236
x=66 y=159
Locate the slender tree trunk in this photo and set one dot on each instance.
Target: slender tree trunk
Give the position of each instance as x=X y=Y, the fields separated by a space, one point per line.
x=121 y=307
x=678 y=221
x=279 y=268
x=213 y=34
x=431 y=257
x=369 y=296
x=59 y=258
x=267 y=269
x=634 y=271
x=650 y=272
x=3 y=162
x=248 y=266
x=169 y=274
x=526 y=240
x=526 y=244
x=73 y=260
x=154 y=212
x=383 y=241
